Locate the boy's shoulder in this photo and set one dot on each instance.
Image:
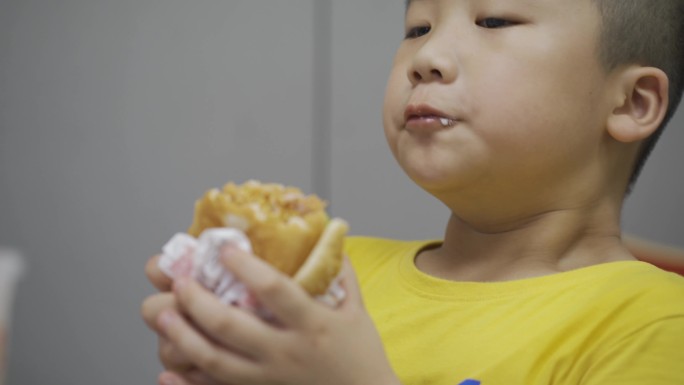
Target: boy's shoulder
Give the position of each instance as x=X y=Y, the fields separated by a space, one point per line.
x=622 y=296
x=650 y=285
x=649 y=276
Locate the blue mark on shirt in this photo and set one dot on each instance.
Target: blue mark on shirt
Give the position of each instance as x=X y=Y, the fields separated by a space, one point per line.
x=470 y=382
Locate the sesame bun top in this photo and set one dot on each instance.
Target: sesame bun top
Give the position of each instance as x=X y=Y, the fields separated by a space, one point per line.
x=283 y=225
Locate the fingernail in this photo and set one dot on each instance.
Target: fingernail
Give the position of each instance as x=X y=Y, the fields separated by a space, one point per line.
x=180 y=284
x=167 y=379
x=229 y=249
x=166 y=318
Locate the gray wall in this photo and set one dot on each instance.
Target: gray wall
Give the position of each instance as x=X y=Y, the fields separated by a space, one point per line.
x=116 y=114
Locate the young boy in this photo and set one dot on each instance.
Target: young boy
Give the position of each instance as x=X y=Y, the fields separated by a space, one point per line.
x=529 y=120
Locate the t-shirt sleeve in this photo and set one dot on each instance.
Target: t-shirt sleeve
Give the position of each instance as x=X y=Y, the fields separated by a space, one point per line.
x=651 y=355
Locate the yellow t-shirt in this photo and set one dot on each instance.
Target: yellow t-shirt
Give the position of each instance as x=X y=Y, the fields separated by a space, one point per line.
x=617 y=323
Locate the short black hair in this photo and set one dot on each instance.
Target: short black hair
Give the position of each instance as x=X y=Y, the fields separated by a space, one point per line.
x=648 y=33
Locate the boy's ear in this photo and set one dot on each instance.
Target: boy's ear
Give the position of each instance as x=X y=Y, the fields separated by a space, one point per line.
x=642 y=103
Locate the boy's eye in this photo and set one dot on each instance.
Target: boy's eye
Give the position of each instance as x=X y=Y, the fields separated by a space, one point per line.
x=494 y=22
x=417 y=32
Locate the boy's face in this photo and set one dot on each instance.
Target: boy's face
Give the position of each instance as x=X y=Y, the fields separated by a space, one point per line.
x=497 y=95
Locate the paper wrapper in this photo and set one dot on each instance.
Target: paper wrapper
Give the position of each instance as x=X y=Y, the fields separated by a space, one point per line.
x=198 y=258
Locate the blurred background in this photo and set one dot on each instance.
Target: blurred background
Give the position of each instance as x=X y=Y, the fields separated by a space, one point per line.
x=115 y=115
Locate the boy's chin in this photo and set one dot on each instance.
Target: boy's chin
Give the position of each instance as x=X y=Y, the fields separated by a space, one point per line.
x=439 y=180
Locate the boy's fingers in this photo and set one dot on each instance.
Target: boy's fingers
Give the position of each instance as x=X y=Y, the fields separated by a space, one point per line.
x=207 y=357
x=198 y=378
x=159 y=280
x=153 y=305
x=350 y=284
x=171 y=358
x=229 y=326
x=171 y=378
x=288 y=302
x=191 y=378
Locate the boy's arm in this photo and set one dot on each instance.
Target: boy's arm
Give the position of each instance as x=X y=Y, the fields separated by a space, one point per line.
x=665 y=256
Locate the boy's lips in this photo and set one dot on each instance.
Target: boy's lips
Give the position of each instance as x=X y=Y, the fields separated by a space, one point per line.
x=423 y=117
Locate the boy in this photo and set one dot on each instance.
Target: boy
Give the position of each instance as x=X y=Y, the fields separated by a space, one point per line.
x=529 y=120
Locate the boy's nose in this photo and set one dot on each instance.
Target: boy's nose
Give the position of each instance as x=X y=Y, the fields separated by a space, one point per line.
x=432 y=63
x=433 y=74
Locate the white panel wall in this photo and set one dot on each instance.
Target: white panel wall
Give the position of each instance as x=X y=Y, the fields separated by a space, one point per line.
x=114 y=117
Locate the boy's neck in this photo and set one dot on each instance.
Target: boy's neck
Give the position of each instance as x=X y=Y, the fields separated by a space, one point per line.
x=539 y=244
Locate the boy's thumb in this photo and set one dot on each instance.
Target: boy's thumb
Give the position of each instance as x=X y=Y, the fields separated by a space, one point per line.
x=350 y=284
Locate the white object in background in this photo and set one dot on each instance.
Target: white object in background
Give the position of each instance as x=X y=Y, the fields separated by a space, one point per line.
x=11 y=269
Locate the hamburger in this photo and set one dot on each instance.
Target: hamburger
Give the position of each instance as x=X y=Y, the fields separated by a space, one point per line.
x=285 y=227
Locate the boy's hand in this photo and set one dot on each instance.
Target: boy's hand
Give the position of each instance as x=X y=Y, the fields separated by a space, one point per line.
x=155 y=304
x=157 y=277
x=312 y=343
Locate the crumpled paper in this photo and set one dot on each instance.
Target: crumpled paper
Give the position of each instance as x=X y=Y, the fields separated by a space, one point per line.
x=198 y=258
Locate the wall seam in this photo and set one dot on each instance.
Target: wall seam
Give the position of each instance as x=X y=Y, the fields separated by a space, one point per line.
x=321 y=131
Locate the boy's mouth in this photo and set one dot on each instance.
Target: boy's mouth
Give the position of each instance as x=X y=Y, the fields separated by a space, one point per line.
x=423 y=116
